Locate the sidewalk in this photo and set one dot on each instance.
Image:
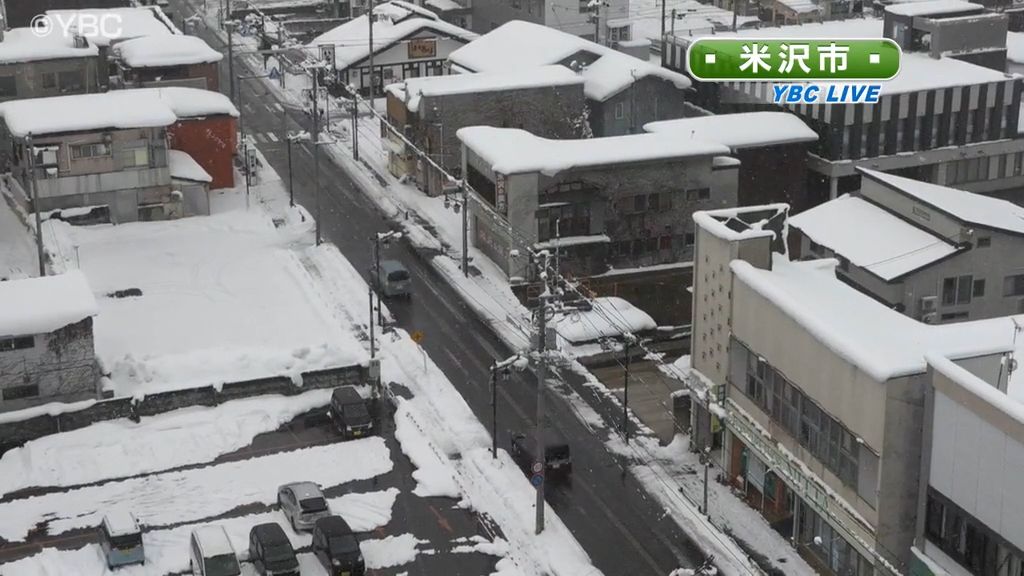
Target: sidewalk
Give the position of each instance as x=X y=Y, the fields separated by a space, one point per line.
x=667 y=472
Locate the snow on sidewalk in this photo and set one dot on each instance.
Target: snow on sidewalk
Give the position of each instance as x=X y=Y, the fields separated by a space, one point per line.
x=167 y=551
x=188 y=495
x=122 y=448
x=223 y=298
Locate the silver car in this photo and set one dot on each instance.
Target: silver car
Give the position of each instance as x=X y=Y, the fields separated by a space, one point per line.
x=303 y=503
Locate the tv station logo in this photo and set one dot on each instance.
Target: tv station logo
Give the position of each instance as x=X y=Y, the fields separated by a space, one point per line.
x=801 y=71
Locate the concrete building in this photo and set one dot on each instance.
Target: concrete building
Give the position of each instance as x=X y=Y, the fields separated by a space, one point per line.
x=933 y=253
x=19 y=13
x=942 y=120
x=619 y=204
x=971 y=514
x=603 y=23
x=35 y=67
x=812 y=396
x=46 y=341
x=174 y=60
x=547 y=102
x=771 y=148
x=623 y=92
x=408 y=42
x=113 y=159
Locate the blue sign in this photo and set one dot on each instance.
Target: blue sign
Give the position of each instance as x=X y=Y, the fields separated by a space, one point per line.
x=537 y=480
x=274 y=74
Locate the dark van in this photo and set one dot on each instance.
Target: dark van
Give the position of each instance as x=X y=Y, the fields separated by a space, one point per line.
x=271 y=552
x=348 y=410
x=557 y=458
x=335 y=545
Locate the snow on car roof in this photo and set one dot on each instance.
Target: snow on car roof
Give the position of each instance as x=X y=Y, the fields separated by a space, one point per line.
x=893 y=248
x=45 y=304
x=742 y=130
x=305 y=490
x=973 y=208
x=213 y=539
x=412 y=89
x=511 y=150
x=24 y=45
x=176 y=50
x=537 y=45
x=120 y=522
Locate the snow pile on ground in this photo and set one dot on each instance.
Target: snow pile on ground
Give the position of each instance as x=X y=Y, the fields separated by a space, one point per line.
x=390 y=551
x=365 y=511
x=433 y=476
x=223 y=298
x=188 y=495
x=122 y=448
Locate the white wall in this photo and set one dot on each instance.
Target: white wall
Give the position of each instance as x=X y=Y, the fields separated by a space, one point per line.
x=979 y=467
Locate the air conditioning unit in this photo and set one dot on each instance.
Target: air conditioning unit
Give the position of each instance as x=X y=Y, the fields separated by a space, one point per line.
x=930 y=318
x=928 y=304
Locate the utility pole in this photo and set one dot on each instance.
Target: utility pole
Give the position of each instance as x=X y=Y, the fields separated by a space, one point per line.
x=632 y=103
x=248 y=174
x=465 y=230
x=494 y=410
x=542 y=312
x=664 y=3
x=373 y=76
x=30 y=150
x=355 y=127
x=373 y=349
x=625 y=393
x=673 y=22
x=291 y=188
x=316 y=149
x=230 y=25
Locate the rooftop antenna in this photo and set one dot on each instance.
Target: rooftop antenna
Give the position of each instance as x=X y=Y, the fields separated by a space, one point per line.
x=1010 y=361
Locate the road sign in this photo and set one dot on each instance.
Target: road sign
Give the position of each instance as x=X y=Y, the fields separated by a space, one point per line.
x=538 y=467
x=274 y=74
x=417 y=336
x=537 y=480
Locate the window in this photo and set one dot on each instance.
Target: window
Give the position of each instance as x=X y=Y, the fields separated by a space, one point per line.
x=19 y=392
x=8 y=86
x=957 y=290
x=134 y=157
x=620 y=111
x=979 y=289
x=584 y=6
x=757 y=372
x=810 y=427
x=89 y=150
x=691 y=238
x=71 y=81
x=1013 y=285
x=640 y=203
x=654 y=202
x=665 y=243
x=48 y=80
x=17 y=343
x=984 y=242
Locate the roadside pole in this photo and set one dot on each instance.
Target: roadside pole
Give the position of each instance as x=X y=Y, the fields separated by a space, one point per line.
x=625 y=393
x=542 y=312
x=316 y=150
x=30 y=151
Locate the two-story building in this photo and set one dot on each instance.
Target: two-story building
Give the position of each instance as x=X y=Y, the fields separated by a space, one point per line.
x=603 y=22
x=546 y=102
x=114 y=158
x=623 y=92
x=167 y=60
x=943 y=119
x=620 y=203
x=771 y=148
x=408 y=42
x=812 y=395
x=933 y=253
x=46 y=341
x=33 y=66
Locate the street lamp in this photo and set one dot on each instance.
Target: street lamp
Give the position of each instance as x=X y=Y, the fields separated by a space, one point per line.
x=460 y=204
x=503 y=369
x=378 y=239
x=292 y=138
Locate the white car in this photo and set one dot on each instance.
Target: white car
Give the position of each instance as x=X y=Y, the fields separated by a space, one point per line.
x=303 y=503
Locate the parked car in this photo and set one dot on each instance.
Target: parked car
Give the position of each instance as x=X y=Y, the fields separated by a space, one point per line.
x=121 y=539
x=335 y=545
x=211 y=553
x=393 y=280
x=557 y=456
x=348 y=410
x=271 y=552
x=303 y=503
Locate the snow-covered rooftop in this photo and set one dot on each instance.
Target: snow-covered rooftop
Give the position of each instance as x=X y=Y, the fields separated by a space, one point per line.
x=42 y=305
x=156 y=51
x=23 y=45
x=881 y=342
x=511 y=151
x=183 y=167
x=933 y=8
x=610 y=316
x=742 y=130
x=138 y=108
x=852 y=28
x=973 y=208
x=486 y=82
x=1015 y=47
x=742 y=223
x=118 y=23
x=537 y=45
x=893 y=247
x=395 y=21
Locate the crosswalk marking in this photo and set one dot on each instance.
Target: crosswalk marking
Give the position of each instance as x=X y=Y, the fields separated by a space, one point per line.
x=273 y=137
x=278 y=106
x=261 y=137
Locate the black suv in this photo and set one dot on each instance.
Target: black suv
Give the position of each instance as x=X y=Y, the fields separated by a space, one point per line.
x=271 y=552
x=337 y=548
x=348 y=410
x=557 y=458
